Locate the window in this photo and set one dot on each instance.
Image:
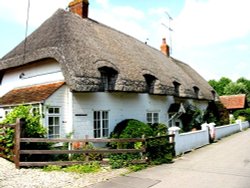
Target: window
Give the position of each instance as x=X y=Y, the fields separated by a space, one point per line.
x=108 y=78
x=101 y=124
x=53 y=122
x=196 y=91
x=152 y=117
x=176 y=88
x=214 y=95
x=150 y=81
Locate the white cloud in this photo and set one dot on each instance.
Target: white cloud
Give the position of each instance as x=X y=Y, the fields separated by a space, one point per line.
x=126 y=19
x=16 y=10
x=211 y=22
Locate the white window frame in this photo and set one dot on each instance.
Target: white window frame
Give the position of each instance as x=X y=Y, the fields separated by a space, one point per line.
x=99 y=121
x=54 y=115
x=151 y=120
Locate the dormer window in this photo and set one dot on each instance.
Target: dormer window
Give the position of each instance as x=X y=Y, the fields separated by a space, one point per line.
x=108 y=78
x=213 y=94
x=196 y=91
x=176 y=88
x=150 y=81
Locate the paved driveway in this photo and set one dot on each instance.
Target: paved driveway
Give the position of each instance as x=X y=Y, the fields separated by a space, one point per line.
x=222 y=164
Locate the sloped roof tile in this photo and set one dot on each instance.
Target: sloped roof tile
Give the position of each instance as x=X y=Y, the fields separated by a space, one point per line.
x=233 y=101
x=31 y=94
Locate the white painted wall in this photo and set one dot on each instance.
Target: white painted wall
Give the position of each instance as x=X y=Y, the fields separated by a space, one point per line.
x=187 y=141
x=120 y=106
x=61 y=98
x=226 y=130
x=35 y=73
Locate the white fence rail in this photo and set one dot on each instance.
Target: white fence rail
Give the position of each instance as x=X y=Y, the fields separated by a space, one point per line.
x=192 y=140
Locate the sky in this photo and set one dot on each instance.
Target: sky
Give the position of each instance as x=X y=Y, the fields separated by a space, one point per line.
x=212 y=36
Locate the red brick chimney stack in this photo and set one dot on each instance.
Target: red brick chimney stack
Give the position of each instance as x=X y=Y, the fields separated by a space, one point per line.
x=80 y=7
x=165 y=48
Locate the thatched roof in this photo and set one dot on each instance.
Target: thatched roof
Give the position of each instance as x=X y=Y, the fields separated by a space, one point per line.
x=82 y=46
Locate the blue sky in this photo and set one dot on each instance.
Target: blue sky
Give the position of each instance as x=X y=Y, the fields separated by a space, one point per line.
x=212 y=36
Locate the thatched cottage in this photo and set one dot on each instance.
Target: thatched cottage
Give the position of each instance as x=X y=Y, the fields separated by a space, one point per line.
x=86 y=77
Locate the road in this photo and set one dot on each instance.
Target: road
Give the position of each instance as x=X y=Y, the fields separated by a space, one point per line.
x=225 y=163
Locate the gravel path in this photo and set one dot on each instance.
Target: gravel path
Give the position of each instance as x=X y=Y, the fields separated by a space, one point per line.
x=36 y=178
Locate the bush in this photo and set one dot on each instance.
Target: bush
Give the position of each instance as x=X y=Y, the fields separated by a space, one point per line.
x=31 y=129
x=131 y=128
x=243 y=113
x=158 y=149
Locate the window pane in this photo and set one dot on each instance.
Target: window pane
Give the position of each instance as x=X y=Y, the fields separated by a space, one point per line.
x=149 y=117
x=57 y=111
x=105 y=115
x=105 y=133
x=56 y=130
x=50 y=130
x=51 y=120
x=105 y=124
x=56 y=120
x=51 y=110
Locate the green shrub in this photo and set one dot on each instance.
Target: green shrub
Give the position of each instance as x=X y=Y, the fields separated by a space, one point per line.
x=122 y=160
x=7 y=142
x=244 y=113
x=85 y=168
x=132 y=129
x=158 y=149
x=31 y=129
x=137 y=167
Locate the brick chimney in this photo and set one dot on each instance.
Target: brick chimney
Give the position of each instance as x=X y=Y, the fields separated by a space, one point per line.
x=165 y=48
x=80 y=7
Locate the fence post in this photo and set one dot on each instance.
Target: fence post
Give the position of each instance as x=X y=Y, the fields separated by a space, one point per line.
x=86 y=147
x=143 y=154
x=17 y=143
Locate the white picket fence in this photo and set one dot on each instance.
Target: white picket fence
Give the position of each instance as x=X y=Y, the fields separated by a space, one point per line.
x=192 y=140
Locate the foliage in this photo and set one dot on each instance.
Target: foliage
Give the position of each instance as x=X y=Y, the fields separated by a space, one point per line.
x=137 y=167
x=91 y=156
x=86 y=168
x=6 y=141
x=193 y=118
x=131 y=128
x=220 y=85
x=159 y=129
x=32 y=128
x=226 y=86
x=242 y=113
x=235 y=88
x=122 y=160
x=216 y=113
x=158 y=150
x=52 y=168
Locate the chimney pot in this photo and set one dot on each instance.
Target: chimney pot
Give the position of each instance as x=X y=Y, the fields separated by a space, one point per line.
x=165 y=48
x=80 y=7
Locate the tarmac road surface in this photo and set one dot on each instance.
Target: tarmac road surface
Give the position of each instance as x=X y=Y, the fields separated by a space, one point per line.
x=224 y=164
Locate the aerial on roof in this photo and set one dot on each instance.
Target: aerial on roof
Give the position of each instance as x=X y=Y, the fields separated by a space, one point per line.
x=234 y=101
x=83 y=46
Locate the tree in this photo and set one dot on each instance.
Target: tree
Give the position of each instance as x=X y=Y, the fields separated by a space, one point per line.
x=247 y=84
x=235 y=88
x=220 y=85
